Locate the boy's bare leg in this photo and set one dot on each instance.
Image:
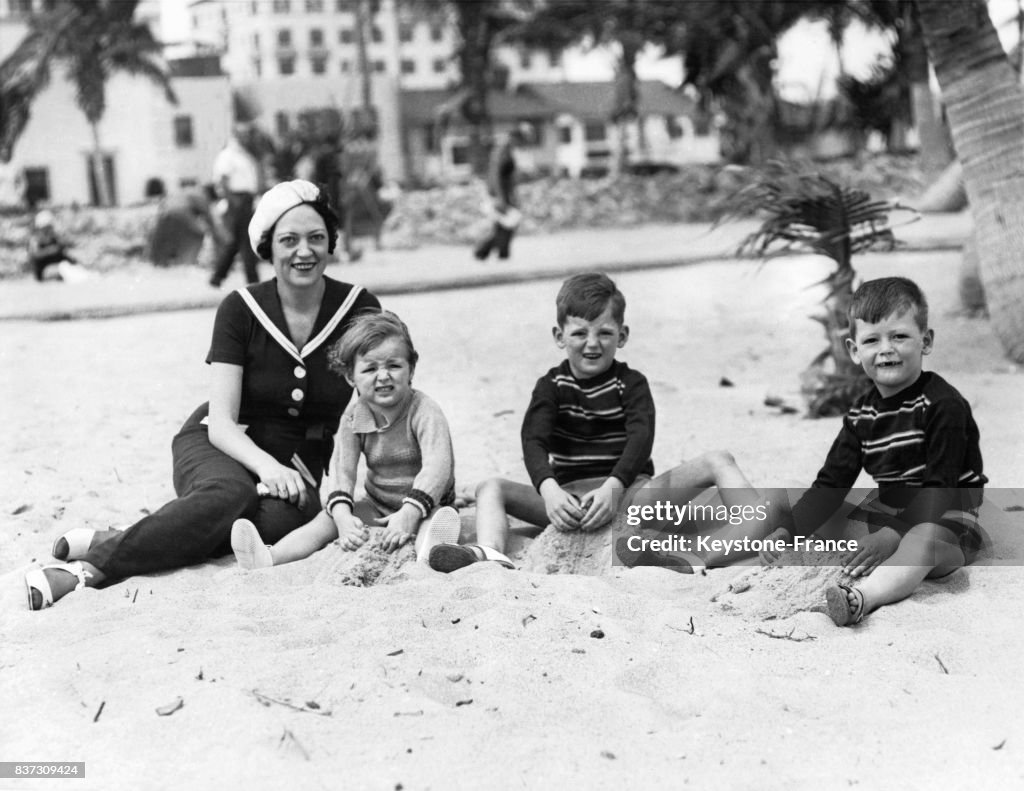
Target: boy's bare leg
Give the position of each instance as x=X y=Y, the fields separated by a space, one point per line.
x=926 y=551
x=690 y=479
x=304 y=541
x=496 y=500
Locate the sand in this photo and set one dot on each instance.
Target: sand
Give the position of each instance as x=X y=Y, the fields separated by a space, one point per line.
x=488 y=678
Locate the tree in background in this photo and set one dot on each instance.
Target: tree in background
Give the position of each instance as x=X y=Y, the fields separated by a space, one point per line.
x=985 y=105
x=628 y=25
x=93 y=40
x=812 y=212
x=729 y=48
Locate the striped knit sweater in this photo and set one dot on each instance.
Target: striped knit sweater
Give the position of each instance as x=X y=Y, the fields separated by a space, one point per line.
x=587 y=428
x=920 y=446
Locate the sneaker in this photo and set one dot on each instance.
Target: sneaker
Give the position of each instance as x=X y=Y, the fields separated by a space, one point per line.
x=247 y=544
x=443 y=528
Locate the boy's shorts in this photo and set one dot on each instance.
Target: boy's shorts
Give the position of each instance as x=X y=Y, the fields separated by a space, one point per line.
x=584 y=485
x=961 y=520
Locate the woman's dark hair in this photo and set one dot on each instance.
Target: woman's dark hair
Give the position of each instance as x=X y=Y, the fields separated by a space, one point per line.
x=322 y=206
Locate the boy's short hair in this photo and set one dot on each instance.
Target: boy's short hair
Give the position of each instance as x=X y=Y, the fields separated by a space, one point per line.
x=586 y=296
x=876 y=299
x=367 y=331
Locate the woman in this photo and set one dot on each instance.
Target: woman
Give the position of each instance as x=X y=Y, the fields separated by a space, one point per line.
x=270 y=422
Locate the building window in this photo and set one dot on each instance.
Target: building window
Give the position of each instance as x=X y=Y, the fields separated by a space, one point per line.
x=254 y=8
x=284 y=38
x=257 y=67
x=286 y=64
x=344 y=65
x=436 y=32
x=282 y=7
x=314 y=6
x=525 y=58
x=595 y=132
x=673 y=127
x=281 y=122
x=316 y=37
x=342 y=5
x=183 y=137
x=346 y=36
x=376 y=34
x=255 y=40
x=318 y=63
x=380 y=66
x=460 y=154
x=21 y=7
x=555 y=58
x=37 y=185
x=408 y=66
x=565 y=135
x=405 y=32
x=440 y=64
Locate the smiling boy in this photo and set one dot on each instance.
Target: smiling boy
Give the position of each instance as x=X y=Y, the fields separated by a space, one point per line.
x=587 y=433
x=914 y=434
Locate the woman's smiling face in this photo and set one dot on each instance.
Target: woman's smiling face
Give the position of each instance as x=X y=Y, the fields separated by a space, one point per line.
x=299 y=247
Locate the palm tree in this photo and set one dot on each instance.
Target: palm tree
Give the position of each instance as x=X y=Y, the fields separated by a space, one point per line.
x=92 y=39
x=813 y=212
x=985 y=105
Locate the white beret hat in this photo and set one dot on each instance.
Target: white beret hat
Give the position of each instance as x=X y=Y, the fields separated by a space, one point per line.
x=275 y=202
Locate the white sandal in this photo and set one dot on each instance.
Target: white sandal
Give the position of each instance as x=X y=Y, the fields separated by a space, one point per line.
x=74 y=544
x=35 y=581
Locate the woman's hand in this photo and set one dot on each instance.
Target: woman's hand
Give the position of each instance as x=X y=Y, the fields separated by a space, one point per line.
x=284 y=483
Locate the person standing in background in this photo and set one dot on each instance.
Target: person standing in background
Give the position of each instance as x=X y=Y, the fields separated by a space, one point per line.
x=236 y=173
x=501 y=184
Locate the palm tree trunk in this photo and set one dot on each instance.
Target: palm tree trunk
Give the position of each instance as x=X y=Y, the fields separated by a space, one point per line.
x=99 y=174
x=985 y=104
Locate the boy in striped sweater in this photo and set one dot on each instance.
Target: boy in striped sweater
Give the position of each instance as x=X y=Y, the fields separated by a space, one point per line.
x=587 y=433
x=914 y=434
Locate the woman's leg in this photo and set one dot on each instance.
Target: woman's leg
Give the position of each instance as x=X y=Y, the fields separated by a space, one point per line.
x=213 y=491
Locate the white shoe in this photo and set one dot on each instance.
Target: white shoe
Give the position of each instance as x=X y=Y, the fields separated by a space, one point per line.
x=250 y=551
x=443 y=528
x=37 y=583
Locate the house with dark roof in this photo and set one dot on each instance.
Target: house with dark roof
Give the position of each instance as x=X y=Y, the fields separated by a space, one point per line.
x=565 y=128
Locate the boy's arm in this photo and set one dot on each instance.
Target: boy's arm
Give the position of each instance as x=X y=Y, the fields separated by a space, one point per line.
x=539 y=422
x=538 y=426
x=434 y=479
x=946 y=447
x=835 y=478
x=638 y=404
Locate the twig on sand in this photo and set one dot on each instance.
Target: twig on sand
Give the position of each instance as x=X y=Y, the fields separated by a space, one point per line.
x=787 y=635
x=944 y=668
x=99 y=711
x=266 y=700
x=288 y=736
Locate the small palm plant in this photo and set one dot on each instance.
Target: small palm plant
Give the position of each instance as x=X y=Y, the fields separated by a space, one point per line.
x=810 y=211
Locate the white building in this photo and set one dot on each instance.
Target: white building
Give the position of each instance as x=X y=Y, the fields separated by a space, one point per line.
x=144 y=138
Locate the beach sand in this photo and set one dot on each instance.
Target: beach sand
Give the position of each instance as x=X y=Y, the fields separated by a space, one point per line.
x=488 y=678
